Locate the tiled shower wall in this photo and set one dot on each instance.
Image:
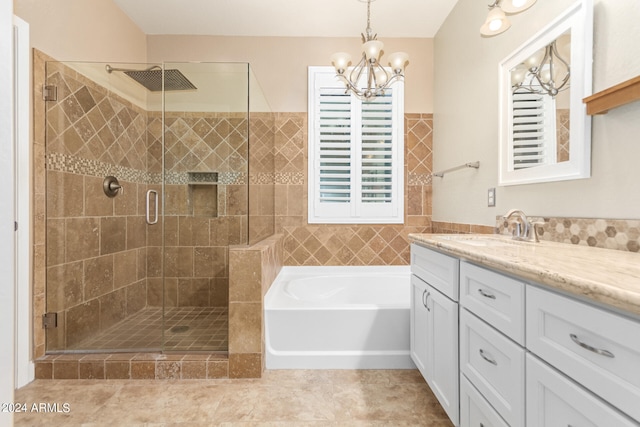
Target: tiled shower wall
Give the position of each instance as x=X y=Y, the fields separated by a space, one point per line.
x=317 y=244
x=95 y=245
x=261 y=176
x=205 y=206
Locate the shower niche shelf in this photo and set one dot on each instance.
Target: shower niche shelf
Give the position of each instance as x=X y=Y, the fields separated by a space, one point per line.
x=202 y=178
x=203 y=193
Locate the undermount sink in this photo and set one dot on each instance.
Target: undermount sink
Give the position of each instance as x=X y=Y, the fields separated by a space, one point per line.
x=482 y=241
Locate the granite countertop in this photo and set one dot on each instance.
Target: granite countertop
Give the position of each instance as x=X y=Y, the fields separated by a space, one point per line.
x=606 y=276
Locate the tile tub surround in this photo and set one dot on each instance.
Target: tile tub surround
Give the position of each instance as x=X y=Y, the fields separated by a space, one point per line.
x=280 y=398
x=317 y=244
x=609 y=277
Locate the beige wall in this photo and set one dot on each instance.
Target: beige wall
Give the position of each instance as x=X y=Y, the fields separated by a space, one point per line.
x=466 y=118
x=280 y=63
x=81 y=30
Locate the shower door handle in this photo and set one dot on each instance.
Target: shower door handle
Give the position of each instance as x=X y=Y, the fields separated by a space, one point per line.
x=155 y=198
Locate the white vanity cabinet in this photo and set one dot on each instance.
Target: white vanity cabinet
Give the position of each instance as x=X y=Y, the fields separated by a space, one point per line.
x=434 y=324
x=502 y=351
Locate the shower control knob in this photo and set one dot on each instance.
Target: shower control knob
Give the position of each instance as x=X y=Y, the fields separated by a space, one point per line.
x=111 y=186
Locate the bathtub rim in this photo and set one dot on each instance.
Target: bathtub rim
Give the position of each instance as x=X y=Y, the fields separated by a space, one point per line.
x=273 y=299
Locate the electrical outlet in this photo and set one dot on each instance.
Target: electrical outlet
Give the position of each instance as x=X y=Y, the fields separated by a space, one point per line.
x=491 y=197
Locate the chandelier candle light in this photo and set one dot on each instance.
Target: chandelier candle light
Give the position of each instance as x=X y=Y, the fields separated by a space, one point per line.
x=378 y=78
x=497 y=21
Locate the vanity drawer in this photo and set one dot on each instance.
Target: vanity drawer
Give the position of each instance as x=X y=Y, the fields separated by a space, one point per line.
x=475 y=411
x=496 y=299
x=495 y=366
x=555 y=400
x=597 y=348
x=439 y=270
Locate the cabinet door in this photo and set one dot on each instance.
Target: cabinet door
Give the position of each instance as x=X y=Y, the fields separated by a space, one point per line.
x=434 y=343
x=554 y=400
x=418 y=324
x=442 y=351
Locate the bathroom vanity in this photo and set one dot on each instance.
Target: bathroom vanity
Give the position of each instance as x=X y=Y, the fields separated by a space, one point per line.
x=514 y=333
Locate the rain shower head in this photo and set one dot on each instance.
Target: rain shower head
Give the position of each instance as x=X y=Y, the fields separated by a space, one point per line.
x=151 y=78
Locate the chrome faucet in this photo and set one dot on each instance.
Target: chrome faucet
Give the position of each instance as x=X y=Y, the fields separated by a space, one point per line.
x=523 y=226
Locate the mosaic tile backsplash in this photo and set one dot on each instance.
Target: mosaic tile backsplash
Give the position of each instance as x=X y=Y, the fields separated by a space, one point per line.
x=618 y=234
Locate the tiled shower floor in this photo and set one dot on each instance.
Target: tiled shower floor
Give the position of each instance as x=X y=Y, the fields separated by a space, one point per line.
x=185 y=329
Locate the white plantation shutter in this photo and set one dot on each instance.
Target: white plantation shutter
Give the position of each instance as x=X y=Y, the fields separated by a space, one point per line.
x=333 y=148
x=534 y=134
x=355 y=153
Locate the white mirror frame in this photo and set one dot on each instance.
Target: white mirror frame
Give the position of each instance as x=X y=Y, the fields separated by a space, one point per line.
x=579 y=19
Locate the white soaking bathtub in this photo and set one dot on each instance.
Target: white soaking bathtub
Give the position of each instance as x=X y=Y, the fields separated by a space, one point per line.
x=338 y=318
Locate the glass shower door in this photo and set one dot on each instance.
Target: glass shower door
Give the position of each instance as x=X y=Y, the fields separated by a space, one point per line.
x=205 y=200
x=98 y=275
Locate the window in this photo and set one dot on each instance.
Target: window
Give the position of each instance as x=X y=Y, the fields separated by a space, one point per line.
x=534 y=130
x=356 y=153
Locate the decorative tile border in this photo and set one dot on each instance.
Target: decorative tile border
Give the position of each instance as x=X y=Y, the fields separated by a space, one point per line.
x=81 y=166
x=262 y=178
x=294 y=178
x=419 y=179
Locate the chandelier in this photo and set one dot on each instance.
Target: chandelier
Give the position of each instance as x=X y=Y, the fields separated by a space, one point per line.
x=378 y=79
x=497 y=22
x=546 y=71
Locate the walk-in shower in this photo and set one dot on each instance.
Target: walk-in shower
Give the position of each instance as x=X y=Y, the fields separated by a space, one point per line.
x=146 y=268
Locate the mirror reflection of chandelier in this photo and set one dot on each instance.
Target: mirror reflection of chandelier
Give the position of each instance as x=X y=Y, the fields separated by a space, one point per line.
x=546 y=71
x=378 y=79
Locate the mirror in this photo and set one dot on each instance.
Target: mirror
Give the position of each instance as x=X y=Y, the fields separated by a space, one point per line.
x=545 y=133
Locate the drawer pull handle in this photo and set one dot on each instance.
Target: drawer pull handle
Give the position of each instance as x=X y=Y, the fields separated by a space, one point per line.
x=487 y=358
x=426 y=301
x=599 y=351
x=424 y=298
x=486 y=294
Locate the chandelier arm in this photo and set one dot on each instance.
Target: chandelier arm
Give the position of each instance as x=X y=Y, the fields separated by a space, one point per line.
x=566 y=77
x=358 y=70
x=348 y=84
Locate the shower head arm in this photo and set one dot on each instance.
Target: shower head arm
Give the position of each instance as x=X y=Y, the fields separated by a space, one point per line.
x=111 y=69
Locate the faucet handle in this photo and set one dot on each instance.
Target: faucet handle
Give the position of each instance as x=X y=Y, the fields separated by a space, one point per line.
x=534 y=228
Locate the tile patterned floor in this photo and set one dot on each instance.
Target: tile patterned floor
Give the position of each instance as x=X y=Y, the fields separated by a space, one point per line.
x=281 y=398
x=185 y=329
